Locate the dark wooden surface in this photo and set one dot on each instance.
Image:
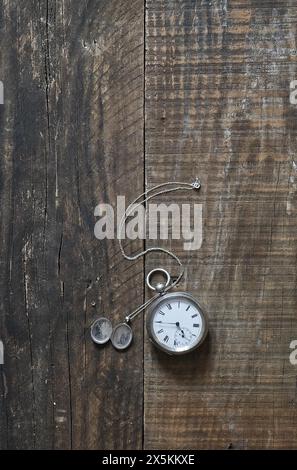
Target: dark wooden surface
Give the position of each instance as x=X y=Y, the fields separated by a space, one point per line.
x=212 y=81
x=71 y=137
x=217 y=105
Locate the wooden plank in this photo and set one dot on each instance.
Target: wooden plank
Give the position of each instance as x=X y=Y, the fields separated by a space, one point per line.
x=217 y=106
x=71 y=137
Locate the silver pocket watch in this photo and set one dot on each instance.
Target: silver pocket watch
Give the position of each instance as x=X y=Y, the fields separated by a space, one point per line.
x=175 y=322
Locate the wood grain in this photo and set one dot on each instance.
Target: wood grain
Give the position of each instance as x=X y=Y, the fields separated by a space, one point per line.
x=217 y=106
x=71 y=137
x=215 y=95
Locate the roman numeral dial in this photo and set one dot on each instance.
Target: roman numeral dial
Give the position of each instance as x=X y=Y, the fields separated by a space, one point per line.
x=176 y=323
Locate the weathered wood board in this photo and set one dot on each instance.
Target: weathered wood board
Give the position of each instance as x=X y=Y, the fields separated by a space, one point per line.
x=217 y=105
x=71 y=137
x=212 y=81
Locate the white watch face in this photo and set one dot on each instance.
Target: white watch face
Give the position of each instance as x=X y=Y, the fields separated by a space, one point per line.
x=177 y=323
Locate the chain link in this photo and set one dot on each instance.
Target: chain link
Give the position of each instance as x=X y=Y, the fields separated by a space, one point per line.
x=147 y=196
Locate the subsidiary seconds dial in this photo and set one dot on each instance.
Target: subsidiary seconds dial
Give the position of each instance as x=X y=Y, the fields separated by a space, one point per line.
x=176 y=323
x=183 y=336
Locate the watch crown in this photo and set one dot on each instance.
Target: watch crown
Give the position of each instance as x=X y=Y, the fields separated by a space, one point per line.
x=196 y=184
x=160 y=287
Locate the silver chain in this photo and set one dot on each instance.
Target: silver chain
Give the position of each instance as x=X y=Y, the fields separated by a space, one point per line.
x=146 y=196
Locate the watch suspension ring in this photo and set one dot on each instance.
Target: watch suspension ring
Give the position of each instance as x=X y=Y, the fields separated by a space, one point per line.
x=160 y=287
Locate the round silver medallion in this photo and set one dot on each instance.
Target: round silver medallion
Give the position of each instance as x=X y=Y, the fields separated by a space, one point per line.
x=121 y=337
x=101 y=330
